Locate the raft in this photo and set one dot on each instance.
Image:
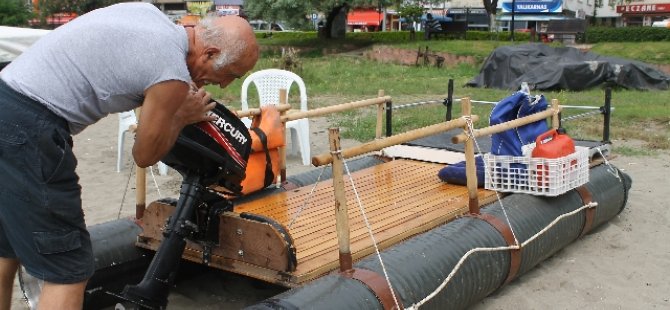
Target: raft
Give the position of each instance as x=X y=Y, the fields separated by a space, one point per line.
x=419 y=265
x=435 y=245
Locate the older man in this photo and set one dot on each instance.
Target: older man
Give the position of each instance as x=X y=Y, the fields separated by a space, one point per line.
x=106 y=61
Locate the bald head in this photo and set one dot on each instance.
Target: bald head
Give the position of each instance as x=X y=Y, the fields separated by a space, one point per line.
x=232 y=35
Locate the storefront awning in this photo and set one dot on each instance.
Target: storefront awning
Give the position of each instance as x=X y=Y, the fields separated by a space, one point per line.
x=530 y=17
x=55 y=19
x=364 y=18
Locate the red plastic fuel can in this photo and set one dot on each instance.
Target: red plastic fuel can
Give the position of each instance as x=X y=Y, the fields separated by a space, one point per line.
x=551 y=144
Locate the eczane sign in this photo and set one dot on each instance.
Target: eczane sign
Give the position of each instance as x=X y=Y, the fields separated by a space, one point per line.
x=644 y=8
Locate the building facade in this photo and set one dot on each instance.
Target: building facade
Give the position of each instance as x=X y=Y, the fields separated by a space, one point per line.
x=606 y=15
x=533 y=13
x=643 y=13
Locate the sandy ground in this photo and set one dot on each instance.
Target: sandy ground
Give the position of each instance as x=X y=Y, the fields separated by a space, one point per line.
x=624 y=264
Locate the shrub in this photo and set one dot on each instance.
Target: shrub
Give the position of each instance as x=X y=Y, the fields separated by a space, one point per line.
x=593 y=35
x=287 y=35
x=627 y=34
x=496 y=36
x=404 y=36
x=15 y=12
x=384 y=37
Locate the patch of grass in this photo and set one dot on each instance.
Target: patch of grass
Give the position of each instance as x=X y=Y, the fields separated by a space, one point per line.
x=633 y=152
x=650 y=52
x=334 y=79
x=479 y=49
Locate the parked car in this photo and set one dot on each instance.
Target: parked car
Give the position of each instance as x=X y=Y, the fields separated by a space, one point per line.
x=261 y=26
x=176 y=15
x=662 y=24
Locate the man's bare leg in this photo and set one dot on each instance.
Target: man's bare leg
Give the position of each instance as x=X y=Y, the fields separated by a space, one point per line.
x=62 y=296
x=8 y=267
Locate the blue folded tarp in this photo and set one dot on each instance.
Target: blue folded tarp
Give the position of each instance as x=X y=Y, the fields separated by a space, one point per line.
x=455 y=174
x=509 y=142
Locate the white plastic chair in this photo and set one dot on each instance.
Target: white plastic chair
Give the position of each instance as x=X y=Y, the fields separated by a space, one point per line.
x=268 y=83
x=128 y=123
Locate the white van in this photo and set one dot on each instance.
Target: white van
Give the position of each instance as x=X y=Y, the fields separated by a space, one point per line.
x=662 y=24
x=261 y=26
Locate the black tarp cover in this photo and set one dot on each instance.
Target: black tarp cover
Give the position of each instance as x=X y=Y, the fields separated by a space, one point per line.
x=549 y=68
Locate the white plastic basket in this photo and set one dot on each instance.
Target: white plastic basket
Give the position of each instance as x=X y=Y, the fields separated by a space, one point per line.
x=535 y=175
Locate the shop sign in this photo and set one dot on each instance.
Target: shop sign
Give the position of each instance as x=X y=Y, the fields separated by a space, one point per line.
x=644 y=8
x=533 y=6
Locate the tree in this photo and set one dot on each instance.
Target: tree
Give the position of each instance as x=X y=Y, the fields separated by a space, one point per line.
x=15 y=12
x=198 y=8
x=90 y=5
x=292 y=12
x=47 y=8
x=411 y=12
x=490 y=6
x=298 y=10
x=597 y=4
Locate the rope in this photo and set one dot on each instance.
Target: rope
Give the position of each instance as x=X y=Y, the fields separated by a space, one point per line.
x=311 y=193
x=517 y=246
x=495 y=249
x=413 y=104
x=471 y=135
x=372 y=236
x=130 y=174
x=556 y=220
x=505 y=248
x=610 y=168
x=153 y=176
x=307 y=200
x=478 y=101
x=123 y=199
x=580 y=107
x=569 y=118
x=365 y=218
x=562 y=106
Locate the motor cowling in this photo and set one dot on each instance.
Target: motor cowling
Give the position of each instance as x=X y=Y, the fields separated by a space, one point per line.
x=217 y=151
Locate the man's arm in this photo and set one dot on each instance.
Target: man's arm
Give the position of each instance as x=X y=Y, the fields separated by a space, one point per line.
x=168 y=107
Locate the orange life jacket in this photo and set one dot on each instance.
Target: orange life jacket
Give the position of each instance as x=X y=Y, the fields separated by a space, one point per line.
x=267 y=135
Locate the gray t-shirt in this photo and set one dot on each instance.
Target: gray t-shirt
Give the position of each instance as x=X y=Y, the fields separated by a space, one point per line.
x=101 y=62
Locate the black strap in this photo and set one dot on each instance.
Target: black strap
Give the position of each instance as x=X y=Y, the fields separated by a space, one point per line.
x=269 y=176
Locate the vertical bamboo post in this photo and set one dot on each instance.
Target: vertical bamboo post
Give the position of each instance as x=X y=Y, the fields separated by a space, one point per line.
x=283 y=99
x=141 y=193
x=341 y=213
x=380 y=116
x=555 y=118
x=389 y=118
x=140 y=186
x=607 y=113
x=449 y=101
x=470 y=166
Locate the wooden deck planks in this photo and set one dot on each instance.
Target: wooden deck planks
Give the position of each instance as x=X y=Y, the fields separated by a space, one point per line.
x=400 y=198
x=322 y=201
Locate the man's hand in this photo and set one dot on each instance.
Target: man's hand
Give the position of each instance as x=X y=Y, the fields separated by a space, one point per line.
x=168 y=107
x=195 y=107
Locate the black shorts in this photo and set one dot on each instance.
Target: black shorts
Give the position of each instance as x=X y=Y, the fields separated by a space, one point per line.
x=41 y=218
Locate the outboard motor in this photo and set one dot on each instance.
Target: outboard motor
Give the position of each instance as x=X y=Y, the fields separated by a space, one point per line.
x=206 y=153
